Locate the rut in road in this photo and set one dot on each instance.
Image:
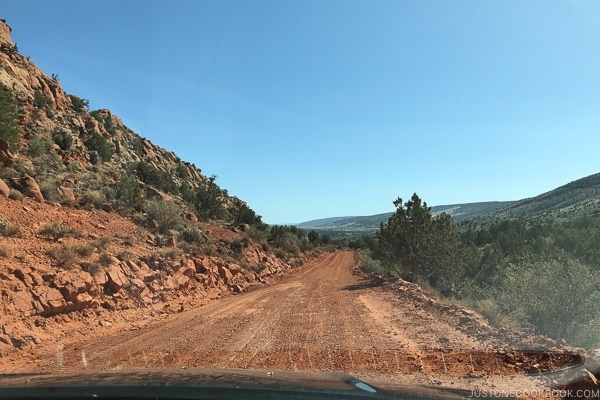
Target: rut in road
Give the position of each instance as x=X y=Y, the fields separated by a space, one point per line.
x=319 y=317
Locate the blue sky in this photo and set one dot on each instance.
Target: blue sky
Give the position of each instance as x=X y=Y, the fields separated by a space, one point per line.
x=312 y=109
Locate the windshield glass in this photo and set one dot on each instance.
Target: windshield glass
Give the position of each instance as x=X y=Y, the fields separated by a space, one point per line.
x=404 y=192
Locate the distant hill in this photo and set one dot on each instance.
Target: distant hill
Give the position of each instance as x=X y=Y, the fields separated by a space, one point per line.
x=340 y=227
x=577 y=198
x=465 y=212
x=318 y=222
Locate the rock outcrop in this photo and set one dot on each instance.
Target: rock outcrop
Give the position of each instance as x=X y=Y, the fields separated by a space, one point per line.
x=4 y=189
x=6 y=158
x=28 y=186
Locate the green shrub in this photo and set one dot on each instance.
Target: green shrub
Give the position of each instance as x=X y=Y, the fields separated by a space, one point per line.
x=164 y=214
x=23 y=166
x=15 y=195
x=191 y=235
x=94 y=157
x=47 y=163
x=256 y=268
x=8 y=230
x=236 y=246
x=83 y=250
x=280 y=254
x=56 y=231
x=208 y=200
x=368 y=265
x=172 y=253
x=154 y=177
x=556 y=298
x=78 y=103
x=73 y=166
x=40 y=99
x=9 y=129
x=94 y=198
x=125 y=255
x=62 y=138
x=192 y=248
x=129 y=193
x=101 y=242
x=128 y=240
x=92 y=268
x=39 y=144
x=49 y=189
x=65 y=256
x=97 y=143
x=104 y=259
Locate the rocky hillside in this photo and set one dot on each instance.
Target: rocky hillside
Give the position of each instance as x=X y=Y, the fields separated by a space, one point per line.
x=100 y=226
x=75 y=154
x=91 y=265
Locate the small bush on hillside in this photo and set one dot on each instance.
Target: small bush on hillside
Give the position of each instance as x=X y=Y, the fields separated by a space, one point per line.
x=41 y=100
x=164 y=214
x=62 y=138
x=172 y=253
x=9 y=129
x=97 y=143
x=94 y=157
x=208 y=200
x=46 y=164
x=101 y=242
x=91 y=268
x=154 y=177
x=256 y=268
x=78 y=103
x=280 y=254
x=570 y=314
x=8 y=230
x=23 y=166
x=39 y=144
x=125 y=255
x=64 y=256
x=129 y=193
x=191 y=235
x=73 y=166
x=368 y=265
x=93 y=198
x=83 y=250
x=15 y=195
x=56 y=231
x=192 y=248
x=49 y=189
x=105 y=259
x=128 y=240
x=238 y=245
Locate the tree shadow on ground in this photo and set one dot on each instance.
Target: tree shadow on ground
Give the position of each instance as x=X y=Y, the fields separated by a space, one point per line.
x=368 y=283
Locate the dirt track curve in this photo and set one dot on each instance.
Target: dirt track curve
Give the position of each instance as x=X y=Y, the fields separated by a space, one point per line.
x=319 y=317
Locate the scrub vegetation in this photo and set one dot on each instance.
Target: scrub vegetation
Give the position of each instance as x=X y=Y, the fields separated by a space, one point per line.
x=540 y=277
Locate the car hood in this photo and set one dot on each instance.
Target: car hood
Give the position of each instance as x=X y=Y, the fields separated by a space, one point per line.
x=209 y=383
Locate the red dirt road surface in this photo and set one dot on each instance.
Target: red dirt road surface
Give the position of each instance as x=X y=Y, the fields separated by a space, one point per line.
x=322 y=317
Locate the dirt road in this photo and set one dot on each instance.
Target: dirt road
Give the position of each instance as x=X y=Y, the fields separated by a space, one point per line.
x=316 y=318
